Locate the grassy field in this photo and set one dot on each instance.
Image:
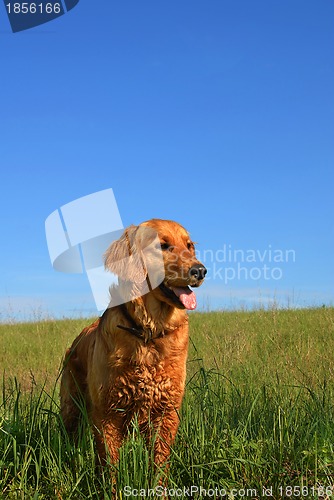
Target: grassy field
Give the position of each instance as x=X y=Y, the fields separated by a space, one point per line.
x=257 y=419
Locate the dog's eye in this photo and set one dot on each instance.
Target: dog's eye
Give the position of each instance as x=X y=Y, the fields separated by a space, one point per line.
x=165 y=246
x=190 y=245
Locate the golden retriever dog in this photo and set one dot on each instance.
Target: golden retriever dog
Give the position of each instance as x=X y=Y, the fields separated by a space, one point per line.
x=132 y=361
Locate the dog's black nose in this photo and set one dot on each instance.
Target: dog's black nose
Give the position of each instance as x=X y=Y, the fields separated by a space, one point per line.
x=198 y=271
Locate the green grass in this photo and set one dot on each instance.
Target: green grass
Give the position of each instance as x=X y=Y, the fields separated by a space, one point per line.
x=258 y=413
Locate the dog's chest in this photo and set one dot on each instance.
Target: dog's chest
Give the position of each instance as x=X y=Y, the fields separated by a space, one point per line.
x=142 y=388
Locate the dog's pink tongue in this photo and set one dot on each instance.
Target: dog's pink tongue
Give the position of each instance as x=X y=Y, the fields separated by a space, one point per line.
x=186 y=296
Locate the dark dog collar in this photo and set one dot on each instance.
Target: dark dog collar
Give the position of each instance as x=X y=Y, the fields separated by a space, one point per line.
x=135 y=329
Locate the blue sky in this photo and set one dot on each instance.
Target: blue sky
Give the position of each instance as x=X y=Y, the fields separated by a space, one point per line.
x=216 y=114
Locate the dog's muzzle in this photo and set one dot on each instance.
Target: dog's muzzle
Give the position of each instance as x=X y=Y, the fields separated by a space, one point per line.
x=198 y=271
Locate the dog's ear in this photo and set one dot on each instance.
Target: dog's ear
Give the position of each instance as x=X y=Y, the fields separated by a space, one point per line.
x=124 y=257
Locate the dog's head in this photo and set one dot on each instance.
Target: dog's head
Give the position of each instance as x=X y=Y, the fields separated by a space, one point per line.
x=161 y=255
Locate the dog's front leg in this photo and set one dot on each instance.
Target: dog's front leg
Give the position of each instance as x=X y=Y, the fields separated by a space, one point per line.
x=165 y=431
x=109 y=434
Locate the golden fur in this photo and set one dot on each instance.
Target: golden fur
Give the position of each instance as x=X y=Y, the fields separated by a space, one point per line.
x=121 y=374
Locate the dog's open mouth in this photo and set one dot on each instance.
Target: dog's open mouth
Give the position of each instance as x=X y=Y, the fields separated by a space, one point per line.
x=180 y=294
